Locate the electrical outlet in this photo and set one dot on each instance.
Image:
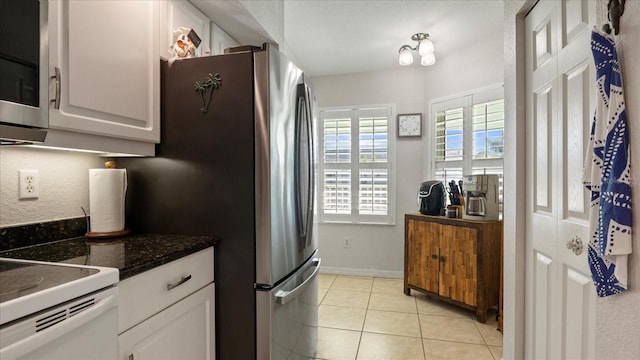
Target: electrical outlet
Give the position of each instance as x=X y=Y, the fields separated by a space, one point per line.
x=29 y=183
x=347 y=242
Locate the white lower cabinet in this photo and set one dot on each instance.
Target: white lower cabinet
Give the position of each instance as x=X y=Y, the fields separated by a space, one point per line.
x=169 y=312
x=184 y=330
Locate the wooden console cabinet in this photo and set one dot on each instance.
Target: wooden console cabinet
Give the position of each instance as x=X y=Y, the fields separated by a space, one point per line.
x=455 y=260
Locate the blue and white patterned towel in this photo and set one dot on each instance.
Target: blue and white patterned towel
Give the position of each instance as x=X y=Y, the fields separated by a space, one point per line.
x=607 y=175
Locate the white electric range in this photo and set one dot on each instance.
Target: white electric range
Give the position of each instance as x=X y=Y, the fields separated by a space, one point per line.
x=57 y=311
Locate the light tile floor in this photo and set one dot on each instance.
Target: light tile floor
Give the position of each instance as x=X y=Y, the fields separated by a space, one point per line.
x=371 y=318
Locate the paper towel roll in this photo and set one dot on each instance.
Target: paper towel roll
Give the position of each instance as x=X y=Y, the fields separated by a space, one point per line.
x=107 y=188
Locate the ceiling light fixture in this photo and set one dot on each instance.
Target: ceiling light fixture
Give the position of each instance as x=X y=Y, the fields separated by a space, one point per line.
x=424 y=47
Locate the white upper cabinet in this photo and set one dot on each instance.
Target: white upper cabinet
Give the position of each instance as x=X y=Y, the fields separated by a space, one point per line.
x=107 y=56
x=220 y=40
x=181 y=13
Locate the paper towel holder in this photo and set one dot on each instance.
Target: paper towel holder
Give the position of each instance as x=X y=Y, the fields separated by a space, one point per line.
x=107 y=235
x=102 y=235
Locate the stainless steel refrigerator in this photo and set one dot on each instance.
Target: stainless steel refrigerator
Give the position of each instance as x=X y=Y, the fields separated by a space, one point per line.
x=242 y=170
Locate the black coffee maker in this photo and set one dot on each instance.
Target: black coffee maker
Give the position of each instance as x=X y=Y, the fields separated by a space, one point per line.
x=432 y=198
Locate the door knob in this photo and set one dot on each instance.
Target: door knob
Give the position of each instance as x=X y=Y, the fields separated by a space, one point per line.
x=575 y=245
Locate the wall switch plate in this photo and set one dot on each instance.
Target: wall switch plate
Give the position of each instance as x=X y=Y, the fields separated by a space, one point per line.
x=29 y=183
x=347 y=242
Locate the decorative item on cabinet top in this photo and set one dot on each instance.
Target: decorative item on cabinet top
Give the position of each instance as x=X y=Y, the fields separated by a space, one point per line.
x=185 y=43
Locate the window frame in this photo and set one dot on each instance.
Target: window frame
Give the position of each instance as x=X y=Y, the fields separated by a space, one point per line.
x=354 y=166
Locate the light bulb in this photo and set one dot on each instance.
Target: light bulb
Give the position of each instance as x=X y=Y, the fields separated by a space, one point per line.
x=425 y=47
x=428 y=59
x=405 y=57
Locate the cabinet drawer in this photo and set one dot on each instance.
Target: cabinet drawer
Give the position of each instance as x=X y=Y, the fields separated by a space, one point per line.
x=143 y=295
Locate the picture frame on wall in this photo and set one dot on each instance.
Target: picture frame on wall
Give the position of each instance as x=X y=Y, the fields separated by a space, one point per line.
x=410 y=125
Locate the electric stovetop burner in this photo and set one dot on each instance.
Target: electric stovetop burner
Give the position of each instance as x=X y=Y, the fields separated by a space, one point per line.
x=21 y=278
x=27 y=287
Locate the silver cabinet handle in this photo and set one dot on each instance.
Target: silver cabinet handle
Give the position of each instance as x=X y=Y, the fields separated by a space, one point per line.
x=182 y=280
x=56 y=100
x=575 y=245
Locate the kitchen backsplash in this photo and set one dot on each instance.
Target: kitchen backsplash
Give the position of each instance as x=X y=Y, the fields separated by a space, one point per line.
x=37 y=233
x=63 y=184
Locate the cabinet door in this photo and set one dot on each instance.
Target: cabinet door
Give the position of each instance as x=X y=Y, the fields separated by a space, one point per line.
x=422 y=255
x=459 y=264
x=185 y=330
x=107 y=54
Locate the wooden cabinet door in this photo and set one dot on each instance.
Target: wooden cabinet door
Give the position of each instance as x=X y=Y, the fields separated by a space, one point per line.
x=107 y=57
x=459 y=264
x=422 y=254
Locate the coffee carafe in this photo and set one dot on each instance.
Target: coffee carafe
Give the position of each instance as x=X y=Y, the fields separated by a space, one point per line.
x=481 y=197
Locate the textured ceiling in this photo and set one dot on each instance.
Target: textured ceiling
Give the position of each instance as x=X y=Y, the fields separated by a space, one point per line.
x=336 y=36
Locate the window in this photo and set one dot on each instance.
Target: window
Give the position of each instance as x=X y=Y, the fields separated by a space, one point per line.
x=355 y=174
x=469 y=136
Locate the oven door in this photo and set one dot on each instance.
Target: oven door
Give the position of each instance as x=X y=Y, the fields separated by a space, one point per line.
x=84 y=328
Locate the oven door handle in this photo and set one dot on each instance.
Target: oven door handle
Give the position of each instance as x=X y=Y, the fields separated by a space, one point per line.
x=283 y=297
x=33 y=342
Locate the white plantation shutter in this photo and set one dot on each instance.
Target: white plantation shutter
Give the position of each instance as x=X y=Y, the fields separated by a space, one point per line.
x=337 y=191
x=337 y=140
x=373 y=193
x=373 y=139
x=447 y=174
x=355 y=166
x=488 y=130
x=469 y=136
x=449 y=134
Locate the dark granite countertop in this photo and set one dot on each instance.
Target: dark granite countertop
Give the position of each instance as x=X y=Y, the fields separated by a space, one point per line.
x=132 y=255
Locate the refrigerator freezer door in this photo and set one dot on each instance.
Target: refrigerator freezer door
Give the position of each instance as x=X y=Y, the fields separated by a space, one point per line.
x=284 y=168
x=287 y=321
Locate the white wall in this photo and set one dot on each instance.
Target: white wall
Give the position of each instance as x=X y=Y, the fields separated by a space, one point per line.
x=618 y=317
x=269 y=14
x=64 y=184
x=378 y=250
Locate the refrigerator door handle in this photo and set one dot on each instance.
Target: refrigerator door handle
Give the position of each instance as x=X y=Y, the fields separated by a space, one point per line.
x=303 y=163
x=283 y=297
x=312 y=181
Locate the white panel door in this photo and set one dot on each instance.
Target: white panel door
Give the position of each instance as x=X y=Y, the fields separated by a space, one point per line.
x=108 y=59
x=560 y=298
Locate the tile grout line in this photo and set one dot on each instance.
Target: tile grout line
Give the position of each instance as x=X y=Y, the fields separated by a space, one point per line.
x=424 y=352
x=366 y=312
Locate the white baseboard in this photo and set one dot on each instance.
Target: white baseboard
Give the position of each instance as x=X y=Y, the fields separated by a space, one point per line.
x=362 y=272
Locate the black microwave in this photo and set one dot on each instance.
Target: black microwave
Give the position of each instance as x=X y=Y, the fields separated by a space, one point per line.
x=24 y=63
